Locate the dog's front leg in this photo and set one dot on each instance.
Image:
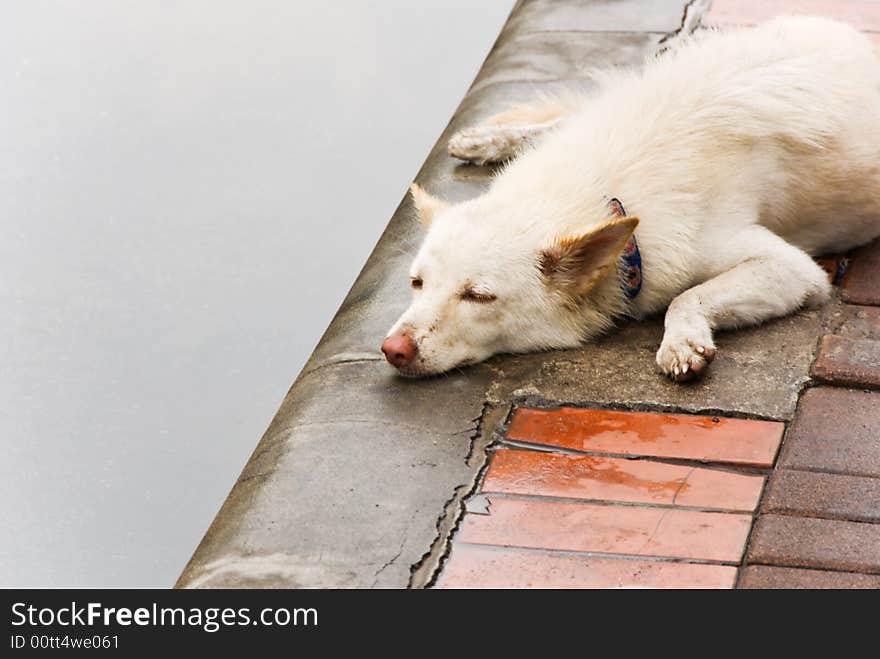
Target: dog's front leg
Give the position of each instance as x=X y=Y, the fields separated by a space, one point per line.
x=765 y=278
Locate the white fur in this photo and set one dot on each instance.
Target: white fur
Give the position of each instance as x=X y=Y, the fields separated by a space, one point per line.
x=742 y=153
x=491 y=144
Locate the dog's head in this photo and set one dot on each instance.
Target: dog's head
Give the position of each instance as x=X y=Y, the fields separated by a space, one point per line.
x=480 y=287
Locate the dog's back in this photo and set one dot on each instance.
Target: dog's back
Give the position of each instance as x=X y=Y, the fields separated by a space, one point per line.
x=783 y=118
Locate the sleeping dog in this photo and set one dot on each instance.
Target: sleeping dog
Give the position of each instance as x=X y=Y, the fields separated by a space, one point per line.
x=702 y=184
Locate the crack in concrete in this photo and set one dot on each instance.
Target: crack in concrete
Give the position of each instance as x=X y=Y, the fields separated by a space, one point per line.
x=691 y=18
x=469 y=431
x=344 y=358
x=424 y=572
x=393 y=558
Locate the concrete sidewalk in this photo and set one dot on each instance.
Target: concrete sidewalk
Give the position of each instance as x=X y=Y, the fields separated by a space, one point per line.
x=480 y=479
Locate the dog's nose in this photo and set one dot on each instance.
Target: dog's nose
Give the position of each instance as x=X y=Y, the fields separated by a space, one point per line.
x=400 y=350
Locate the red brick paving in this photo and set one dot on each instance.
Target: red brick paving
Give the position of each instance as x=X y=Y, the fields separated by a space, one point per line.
x=835 y=430
x=687 y=437
x=620 y=480
x=820 y=543
x=474 y=566
x=765 y=576
x=848 y=361
x=861 y=322
x=822 y=507
x=833 y=496
x=861 y=284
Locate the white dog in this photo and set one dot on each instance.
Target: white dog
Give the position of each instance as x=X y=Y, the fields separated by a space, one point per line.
x=742 y=154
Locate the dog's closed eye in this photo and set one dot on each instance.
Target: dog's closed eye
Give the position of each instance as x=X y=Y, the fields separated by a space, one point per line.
x=471 y=295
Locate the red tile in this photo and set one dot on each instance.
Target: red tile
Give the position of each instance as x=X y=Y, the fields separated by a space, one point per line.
x=474 y=566
x=817 y=543
x=655 y=435
x=618 y=479
x=766 y=576
x=629 y=530
x=835 y=430
x=863 y=14
x=861 y=284
x=853 y=362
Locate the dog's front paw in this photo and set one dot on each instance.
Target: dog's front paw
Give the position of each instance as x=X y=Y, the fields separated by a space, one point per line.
x=684 y=357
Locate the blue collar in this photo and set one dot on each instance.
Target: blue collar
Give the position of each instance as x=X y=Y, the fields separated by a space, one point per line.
x=631 y=258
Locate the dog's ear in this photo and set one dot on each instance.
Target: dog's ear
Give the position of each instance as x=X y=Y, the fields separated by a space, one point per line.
x=575 y=264
x=427 y=205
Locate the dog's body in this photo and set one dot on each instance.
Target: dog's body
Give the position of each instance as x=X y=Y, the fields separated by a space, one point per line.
x=742 y=153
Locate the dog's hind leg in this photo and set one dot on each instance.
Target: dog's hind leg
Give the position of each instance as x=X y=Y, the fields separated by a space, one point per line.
x=765 y=277
x=500 y=137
